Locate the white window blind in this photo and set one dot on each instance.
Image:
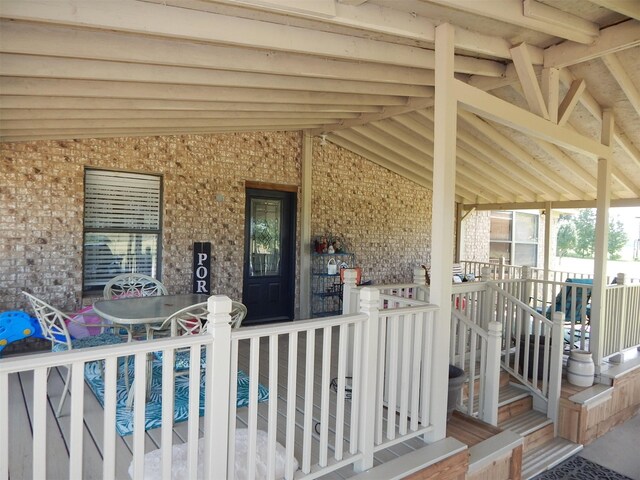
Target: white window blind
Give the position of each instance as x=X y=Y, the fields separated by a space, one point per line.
x=122 y=219
x=121 y=200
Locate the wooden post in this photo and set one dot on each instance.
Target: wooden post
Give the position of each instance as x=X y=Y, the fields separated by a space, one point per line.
x=621 y=279
x=602 y=239
x=420 y=279
x=369 y=303
x=216 y=415
x=349 y=292
x=555 y=367
x=305 y=226
x=547 y=240
x=492 y=375
x=442 y=240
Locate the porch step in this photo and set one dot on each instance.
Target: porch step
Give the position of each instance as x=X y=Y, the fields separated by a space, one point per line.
x=526 y=423
x=509 y=394
x=547 y=456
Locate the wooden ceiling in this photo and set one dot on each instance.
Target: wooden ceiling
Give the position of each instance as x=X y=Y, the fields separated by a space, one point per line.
x=359 y=72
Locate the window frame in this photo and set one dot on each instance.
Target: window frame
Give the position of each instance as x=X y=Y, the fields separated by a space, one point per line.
x=131 y=231
x=512 y=242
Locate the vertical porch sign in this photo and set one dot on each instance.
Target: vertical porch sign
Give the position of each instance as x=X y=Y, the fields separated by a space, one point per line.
x=202 y=267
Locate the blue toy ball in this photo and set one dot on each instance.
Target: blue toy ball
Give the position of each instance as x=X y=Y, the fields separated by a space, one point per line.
x=16 y=325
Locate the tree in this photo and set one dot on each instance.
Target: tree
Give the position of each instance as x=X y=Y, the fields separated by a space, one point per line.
x=585 y=225
x=566 y=238
x=577 y=234
x=617 y=239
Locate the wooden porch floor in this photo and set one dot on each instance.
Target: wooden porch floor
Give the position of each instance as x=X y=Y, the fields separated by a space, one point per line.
x=58 y=429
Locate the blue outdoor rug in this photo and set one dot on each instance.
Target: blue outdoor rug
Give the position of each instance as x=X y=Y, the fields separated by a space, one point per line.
x=124 y=416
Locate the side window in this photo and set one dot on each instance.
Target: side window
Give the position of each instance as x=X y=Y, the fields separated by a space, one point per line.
x=122 y=226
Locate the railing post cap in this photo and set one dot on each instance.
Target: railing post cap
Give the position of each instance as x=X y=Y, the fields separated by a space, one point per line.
x=495 y=328
x=369 y=294
x=219 y=304
x=350 y=274
x=621 y=278
x=558 y=317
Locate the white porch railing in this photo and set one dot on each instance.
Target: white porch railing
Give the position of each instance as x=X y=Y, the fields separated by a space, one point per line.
x=621 y=325
x=532 y=344
x=475 y=341
x=390 y=391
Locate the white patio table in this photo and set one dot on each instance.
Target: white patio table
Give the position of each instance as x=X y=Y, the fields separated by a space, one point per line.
x=144 y=311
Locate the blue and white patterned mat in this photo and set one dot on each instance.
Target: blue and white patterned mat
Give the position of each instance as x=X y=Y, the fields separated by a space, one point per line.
x=124 y=416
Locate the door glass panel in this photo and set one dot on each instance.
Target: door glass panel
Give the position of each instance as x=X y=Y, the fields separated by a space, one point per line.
x=265 y=237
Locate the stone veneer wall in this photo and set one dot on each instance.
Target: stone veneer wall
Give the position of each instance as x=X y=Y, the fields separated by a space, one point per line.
x=385 y=218
x=477 y=236
x=42 y=192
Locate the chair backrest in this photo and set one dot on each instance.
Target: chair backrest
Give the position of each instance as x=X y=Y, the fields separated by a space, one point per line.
x=238 y=313
x=566 y=292
x=191 y=320
x=133 y=285
x=52 y=321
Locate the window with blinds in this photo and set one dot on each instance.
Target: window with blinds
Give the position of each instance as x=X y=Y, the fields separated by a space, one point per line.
x=122 y=219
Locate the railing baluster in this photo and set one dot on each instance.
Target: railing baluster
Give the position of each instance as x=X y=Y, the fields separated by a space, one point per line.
x=254 y=365
x=4 y=425
x=292 y=377
x=40 y=423
x=168 y=382
x=340 y=393
x=307 y=440
x=77 y=419
x=415 y=376
x=272 y=426
x=407 y=328
x=194 y=411
x=324 y=400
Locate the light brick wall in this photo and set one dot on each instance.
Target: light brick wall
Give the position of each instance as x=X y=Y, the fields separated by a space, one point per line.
x=385 y=217
x=477 y=236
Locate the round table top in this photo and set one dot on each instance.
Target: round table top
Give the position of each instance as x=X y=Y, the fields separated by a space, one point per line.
x=141 y=310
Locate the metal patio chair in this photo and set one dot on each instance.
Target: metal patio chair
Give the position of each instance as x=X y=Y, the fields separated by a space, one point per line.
x=54 y=328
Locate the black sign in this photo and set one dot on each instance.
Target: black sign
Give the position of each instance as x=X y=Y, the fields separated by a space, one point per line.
x=202 y=267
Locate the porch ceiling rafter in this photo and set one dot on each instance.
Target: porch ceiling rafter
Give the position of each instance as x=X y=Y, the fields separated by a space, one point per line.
x=133 y=90
x=58 y=41
x=549 y=177
x=509 y=115
x=617 y=203
x=611 y=39
x=93 y=104
x=489 y=155
x=377 y=21
x=630 y=8
x=182 y=23
x=622 y=77
x=18 y=65
x=511 y=12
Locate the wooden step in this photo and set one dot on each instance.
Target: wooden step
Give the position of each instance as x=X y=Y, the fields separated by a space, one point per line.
x=534 y=426
x=547 y=456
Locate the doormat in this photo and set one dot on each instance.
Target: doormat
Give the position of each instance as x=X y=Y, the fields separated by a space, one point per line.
x=153 y=414
x=578 y=468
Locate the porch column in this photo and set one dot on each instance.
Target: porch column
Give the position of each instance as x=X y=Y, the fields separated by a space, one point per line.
x=602 y=239
x=305 y=226
x=547 y=240
x=443 y=214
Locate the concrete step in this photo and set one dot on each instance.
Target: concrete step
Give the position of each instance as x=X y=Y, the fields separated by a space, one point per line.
x=547 y=456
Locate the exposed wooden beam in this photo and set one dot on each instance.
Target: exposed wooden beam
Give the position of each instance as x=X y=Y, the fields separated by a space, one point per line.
x=570 y=101
x=615 y=203
x=67 y=114
x=60 y=41
x=504 y=113
x=612 y=39
x=529 y=81
x=550 y=177
x=491 y=156
x=388 y=112
x=15 y=65
x=102 y=89
x=373 y=21
x=559 y=18
x=181 y=23
x=551 y=91
x=43 y=103
x=622 y=77
x=630 y=8
x=511 y=11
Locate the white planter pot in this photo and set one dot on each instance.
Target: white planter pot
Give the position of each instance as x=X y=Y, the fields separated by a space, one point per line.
x=580 y=369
